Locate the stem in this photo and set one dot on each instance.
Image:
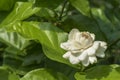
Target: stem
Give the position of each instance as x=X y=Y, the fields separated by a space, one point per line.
x=64 y=4
x=81 y=67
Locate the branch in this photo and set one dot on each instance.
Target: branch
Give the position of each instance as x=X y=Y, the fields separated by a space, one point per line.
x=64 y=4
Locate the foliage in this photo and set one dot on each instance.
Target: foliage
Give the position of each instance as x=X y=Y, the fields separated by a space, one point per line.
x=31 y=32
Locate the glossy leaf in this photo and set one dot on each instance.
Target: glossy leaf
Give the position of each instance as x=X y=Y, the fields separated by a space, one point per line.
x=22 y=10
x=15 y=42
x=82 y=6
x=44 y=74
x=49 y=36
x=7 y=5
x=100 y=73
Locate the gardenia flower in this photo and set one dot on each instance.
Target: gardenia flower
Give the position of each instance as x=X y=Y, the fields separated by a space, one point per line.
x=81 y=47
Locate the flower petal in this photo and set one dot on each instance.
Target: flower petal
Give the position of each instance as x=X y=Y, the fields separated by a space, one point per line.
x=83 y=56
x=86 y=39
x=92 y=59
x=81 y=47
x=67 y=55
x=65 y=45
x=102 y=44
x=71 y=45
x=92 y=35
x=72 y=34
x=96 y=44
x=100 y=54
x=74 y=59
x=100 y=51
x=85 y=62
x=91 y=51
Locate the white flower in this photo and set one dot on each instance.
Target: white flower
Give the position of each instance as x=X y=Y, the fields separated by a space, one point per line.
x=81 y=47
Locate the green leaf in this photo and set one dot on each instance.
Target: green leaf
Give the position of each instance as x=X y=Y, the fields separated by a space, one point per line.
x=66 y=70
x=12 y=61
x=82 y=6
x=16 y=44
x=79 y=76
x=6 y=4
x=48 y=3
x=46 y=13
x=22 y=64
x=3 y=15
x=6 y=75
x=22 y=10
x=105 y=24
x=13 y=77
x=101 y=72
x=49 y=36
x=82 y=23
x=44 y=74
x=34 y=55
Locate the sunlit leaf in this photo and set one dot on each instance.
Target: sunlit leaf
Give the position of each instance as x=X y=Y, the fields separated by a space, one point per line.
x=44 y=74
x=22 y=10
x=15 y=42
x=49 y=36
x=104 y=72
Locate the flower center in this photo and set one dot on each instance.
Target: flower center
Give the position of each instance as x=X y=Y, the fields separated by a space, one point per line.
x=86 y=40
x=84 y=34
